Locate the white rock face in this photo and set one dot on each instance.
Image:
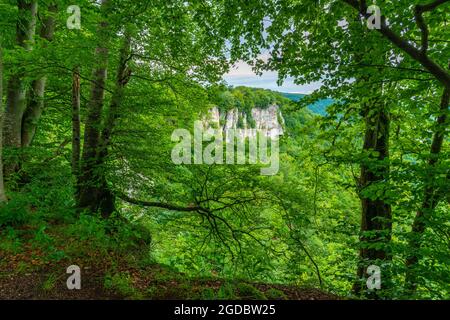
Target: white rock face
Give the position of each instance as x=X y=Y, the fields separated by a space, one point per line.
x=267 y=121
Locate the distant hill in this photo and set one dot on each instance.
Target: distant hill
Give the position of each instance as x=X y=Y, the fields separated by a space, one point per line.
x=245 y=99
x=293 y=96
x=318 y=107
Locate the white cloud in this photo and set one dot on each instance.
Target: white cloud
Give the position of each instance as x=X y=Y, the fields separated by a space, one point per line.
x=241 y=74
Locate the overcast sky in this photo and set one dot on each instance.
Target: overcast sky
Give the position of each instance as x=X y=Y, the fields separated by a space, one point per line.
x=242 y=75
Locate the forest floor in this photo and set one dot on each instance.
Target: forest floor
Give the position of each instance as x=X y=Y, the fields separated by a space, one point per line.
x=35 y=268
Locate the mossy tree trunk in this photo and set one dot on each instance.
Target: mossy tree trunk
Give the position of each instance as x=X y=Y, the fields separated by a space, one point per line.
x=2 y=186
x=17 y=89
x=36 y=95
x=376 y=217
x=88 y=180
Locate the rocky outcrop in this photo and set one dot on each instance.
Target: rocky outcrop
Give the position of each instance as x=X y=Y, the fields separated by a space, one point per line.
x=268 y=121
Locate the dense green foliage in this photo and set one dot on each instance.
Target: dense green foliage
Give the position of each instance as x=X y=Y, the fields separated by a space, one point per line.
x=245 y=98
x=364 y=160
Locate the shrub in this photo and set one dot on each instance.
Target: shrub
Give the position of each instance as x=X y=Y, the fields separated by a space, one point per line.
x=15 y=212
x=122 y=284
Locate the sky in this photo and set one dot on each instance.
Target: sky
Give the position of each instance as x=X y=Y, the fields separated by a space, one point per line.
x=242 y=75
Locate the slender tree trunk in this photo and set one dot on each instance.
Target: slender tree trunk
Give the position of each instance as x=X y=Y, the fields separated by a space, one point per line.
x=431 y=198
x=76 y=126
x=88 y=179
x=36 y=95
x=16 y=99
x=106 y=198
x=2 y=186
x=376 y=222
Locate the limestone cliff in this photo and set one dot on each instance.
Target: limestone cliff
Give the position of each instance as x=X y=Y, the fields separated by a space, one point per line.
x=268 y=121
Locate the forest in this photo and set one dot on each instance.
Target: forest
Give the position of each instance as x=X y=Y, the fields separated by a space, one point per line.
x=93 y=91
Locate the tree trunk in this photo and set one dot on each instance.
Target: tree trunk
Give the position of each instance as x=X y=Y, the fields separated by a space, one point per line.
x=106 y=199
x=36 y=97
x=88 y=178
x=16 y=96
x=2 y=186
x=76 y=127
x=100 y=196
x=376 y=222
x=431 y=198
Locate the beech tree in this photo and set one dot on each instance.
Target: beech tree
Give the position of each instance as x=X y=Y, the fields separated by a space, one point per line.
x=2 y=186
x=35 y=100
x=17 y=87
x=330 y=42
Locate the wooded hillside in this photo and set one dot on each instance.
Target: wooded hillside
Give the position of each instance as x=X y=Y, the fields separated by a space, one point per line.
x=92 y=92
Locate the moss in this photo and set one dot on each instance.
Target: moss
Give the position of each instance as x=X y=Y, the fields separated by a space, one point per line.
x=275 y=294
x=208 y=294
x=226 y=292
x=247 y=291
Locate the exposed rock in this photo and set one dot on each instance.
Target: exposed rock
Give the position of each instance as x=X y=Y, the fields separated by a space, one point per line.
x=268 y=121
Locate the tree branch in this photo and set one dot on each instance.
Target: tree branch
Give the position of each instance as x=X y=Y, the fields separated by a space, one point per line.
x=391 y=67
x=161 y=205
x=433 y=5
x=420 y=21
x=440 y=73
